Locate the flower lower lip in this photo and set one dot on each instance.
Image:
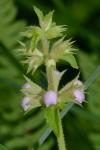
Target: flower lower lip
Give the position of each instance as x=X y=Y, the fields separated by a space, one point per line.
x=79 y=95
x=50 y=98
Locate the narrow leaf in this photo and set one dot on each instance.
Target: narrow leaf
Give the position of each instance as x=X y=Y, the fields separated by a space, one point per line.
x=48 y=20
x=52 y=118
x=40 y=15
x=49 y=130
x=71 y=60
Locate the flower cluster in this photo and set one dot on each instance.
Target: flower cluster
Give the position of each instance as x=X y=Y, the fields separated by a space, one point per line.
x=36 y=96
x=40 y=51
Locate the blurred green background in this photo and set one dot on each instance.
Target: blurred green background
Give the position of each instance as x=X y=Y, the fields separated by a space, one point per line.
x=82 y=124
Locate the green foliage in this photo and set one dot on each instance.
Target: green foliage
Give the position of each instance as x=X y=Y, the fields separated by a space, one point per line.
x=93 y=95
x=81 y=126
x=63 y=50
x=52 y=119
x=15 y=129
x=2 y=147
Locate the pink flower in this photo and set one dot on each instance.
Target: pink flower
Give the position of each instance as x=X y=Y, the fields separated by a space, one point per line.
x=50 y=98
x=25 y=103
x=79 y=95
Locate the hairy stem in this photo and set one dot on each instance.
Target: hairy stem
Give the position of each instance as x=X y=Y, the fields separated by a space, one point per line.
x=60 y=138
x=45 y=45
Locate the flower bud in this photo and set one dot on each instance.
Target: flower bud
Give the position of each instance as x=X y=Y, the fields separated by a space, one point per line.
x=79 y=95
x=50 y=98
x=25 y=103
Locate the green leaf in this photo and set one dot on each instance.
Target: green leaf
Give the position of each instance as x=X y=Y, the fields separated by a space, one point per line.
x=33 y=32
x=9 y=26
x=49 y=130
x=55 y=31
x=40 y=15
x=52 y=118
x=27 y=33
x=71 y=60
x=63 y=50
x=3 y=147
x=33 y=63
x=34 y=60
x=61 y=47
x=36 y=35
x=48 y=20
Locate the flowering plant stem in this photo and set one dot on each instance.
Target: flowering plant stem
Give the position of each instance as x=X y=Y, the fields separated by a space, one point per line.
x=43 y=51
x=60 y=138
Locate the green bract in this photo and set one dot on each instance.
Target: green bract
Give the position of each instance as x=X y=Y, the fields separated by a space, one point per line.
x=38 y=50
x=34 y=93
x=63 y=50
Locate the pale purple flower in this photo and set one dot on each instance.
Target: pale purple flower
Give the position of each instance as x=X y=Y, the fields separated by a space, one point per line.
x=79 y=95
x=50 y=98
x=26 y=86
x=25 y=103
